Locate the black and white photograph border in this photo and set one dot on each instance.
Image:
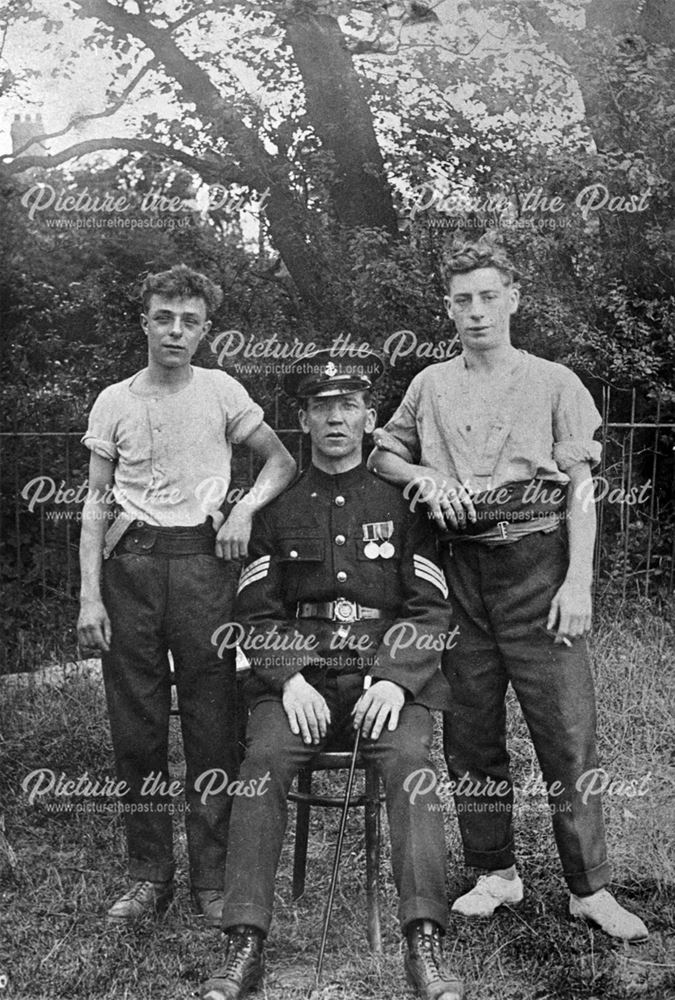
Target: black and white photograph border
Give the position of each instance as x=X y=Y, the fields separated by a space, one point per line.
x=318 y=160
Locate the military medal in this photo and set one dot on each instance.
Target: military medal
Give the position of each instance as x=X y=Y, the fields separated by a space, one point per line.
x=376 y=536
x=371 y=549
x=385 y=530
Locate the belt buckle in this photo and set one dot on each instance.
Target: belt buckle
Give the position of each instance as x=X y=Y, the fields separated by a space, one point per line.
x=502 y=528
x=344 y=610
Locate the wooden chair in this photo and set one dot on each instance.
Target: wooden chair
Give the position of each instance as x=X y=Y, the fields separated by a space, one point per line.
x=370 y=799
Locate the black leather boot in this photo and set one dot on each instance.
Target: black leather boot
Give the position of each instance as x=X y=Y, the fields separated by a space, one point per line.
x=244 y=966
x=424 y=966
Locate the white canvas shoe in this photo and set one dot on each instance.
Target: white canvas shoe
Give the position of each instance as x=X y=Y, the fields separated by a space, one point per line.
x=602 y=909
x=489 y=893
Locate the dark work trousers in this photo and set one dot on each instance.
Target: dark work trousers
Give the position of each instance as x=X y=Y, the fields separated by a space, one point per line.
x=155 y=604
x=259 y=823
x=500 y=599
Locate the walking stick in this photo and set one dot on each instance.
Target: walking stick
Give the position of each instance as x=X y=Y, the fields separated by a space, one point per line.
x=367 y=680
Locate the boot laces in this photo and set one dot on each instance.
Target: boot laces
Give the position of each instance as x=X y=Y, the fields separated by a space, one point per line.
x=139 y=889
x=427 y=944
x=239 y=948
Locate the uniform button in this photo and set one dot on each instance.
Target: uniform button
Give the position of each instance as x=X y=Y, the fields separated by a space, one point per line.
x=293 y=554
x=341 y=576
x=339 y=501
x=340 y=539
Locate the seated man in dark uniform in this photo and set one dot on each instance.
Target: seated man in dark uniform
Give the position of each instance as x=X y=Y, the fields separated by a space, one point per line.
x=341 y=574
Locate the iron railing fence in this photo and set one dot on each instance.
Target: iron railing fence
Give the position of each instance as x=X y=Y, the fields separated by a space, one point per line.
x=43 y=483
x=635 y=495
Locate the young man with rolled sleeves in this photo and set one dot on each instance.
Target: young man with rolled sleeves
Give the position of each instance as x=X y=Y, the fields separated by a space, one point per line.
x=157 y=578
x=499 y=445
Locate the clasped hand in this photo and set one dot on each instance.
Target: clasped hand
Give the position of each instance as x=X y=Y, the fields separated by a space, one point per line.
x=449 y=502
x=232 y=535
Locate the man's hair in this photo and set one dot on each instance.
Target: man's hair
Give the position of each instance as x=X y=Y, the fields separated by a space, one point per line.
x=181 y=282
x=461 y=257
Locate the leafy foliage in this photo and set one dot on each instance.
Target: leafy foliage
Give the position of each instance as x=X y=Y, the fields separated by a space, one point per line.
x=481 y=119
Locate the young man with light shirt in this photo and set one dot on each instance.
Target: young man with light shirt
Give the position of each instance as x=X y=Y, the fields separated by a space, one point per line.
x=499 y=444
x=158 y=578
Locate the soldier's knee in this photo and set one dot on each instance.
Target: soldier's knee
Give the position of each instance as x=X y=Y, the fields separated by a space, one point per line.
x=409 y=757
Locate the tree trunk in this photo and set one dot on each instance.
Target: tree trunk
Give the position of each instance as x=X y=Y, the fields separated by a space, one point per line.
x=343 y=121
x=654 y=19
x=289 y=220
x=616 y=19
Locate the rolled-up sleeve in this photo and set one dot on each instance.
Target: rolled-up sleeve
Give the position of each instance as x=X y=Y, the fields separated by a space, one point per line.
x=575 y=421
x=400 y=435
x=243 y=415
x=100 y=434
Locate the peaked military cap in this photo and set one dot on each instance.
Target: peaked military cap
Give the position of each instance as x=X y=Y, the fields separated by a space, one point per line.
x=327 y=373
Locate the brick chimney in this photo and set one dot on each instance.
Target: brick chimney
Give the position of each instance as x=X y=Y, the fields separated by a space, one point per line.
x=23 y=131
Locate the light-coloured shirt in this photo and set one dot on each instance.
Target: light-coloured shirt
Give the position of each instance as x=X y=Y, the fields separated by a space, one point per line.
x=540 y=422
x=172 y=453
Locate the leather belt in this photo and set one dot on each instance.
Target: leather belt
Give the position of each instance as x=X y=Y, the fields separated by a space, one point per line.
x=146 y=539
x=512 y=503
x=509 y=531
x=340 y=610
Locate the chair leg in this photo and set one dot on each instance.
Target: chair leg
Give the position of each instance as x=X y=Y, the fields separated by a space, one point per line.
x=372 y=828
x=301 y=834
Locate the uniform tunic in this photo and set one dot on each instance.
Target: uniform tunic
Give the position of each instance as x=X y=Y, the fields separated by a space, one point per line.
x=311 y=546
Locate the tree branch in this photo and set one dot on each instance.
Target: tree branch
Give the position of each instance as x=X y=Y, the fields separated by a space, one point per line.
x=213 y=8
x=578 y=62
x=208 y=168
x=195 y=83
x=121 y=98
x=288 y=219
x=78 y=119
x=554 y=36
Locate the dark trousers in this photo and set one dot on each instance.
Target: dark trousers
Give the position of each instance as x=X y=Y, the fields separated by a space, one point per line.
x=500 y=598
x=258 y=824
x=160 y=603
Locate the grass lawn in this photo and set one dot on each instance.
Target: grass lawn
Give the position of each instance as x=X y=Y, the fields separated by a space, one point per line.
x=60 y=870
